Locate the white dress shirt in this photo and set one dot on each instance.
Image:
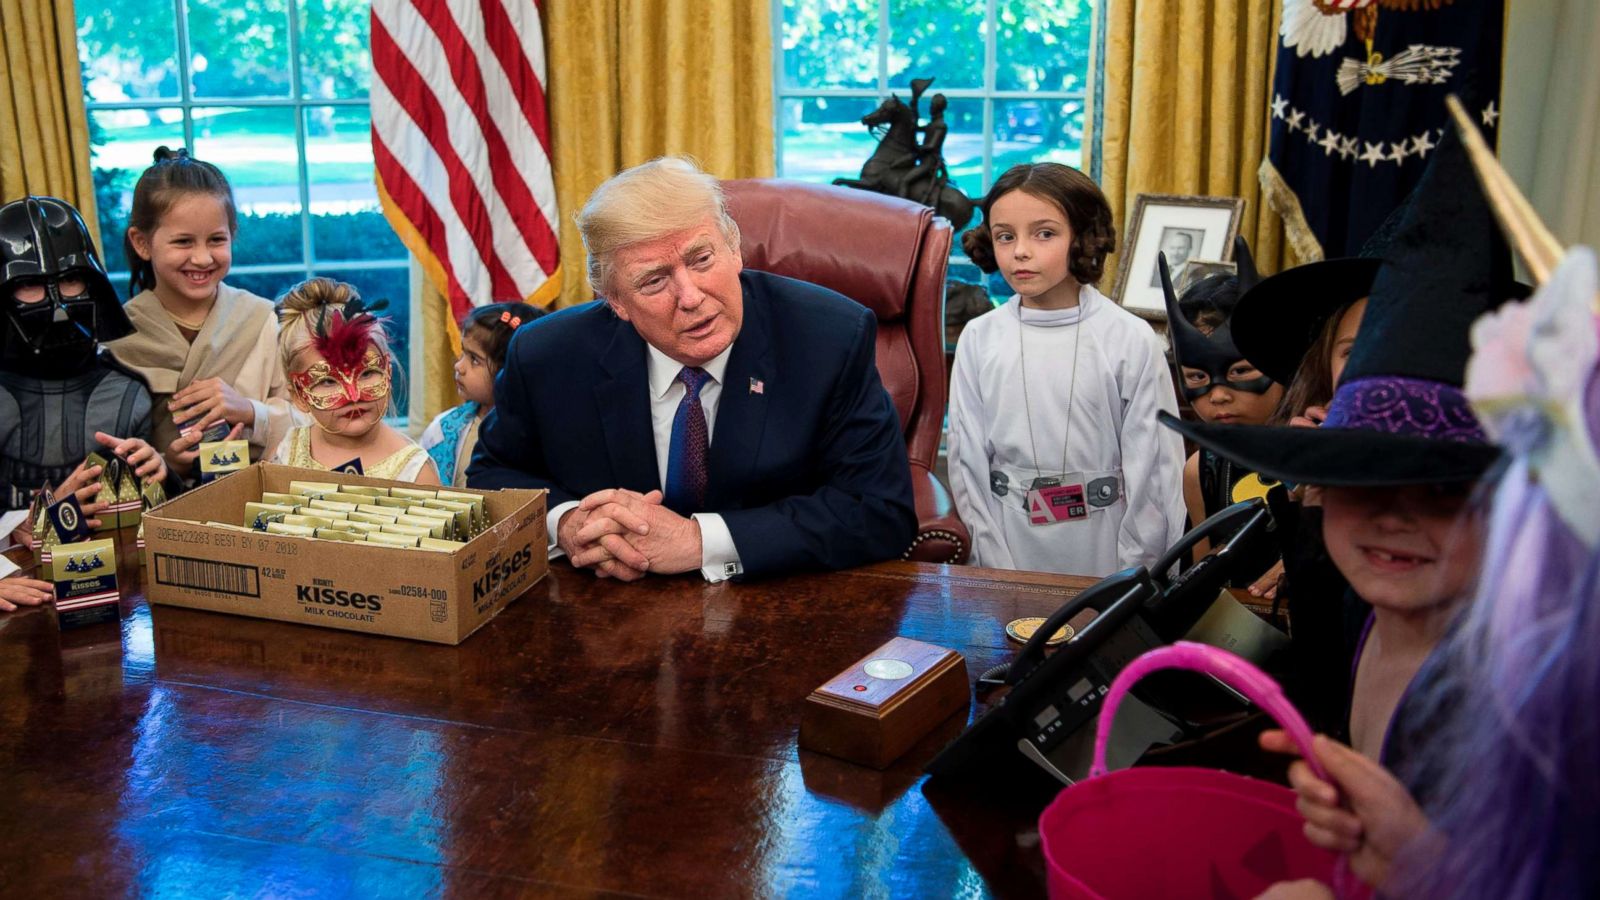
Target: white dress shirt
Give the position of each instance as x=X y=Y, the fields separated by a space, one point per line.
x=719 y=559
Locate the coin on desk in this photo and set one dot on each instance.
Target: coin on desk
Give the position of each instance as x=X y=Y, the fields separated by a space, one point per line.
x=1023 y=629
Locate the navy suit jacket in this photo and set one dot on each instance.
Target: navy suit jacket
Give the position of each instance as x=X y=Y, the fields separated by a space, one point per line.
x=810 y=473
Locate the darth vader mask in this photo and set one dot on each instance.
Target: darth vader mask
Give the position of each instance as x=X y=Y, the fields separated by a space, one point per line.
x=55 y=296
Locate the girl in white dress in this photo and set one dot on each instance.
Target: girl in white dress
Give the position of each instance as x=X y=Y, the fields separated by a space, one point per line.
x=337 y=355
x=1056 y=461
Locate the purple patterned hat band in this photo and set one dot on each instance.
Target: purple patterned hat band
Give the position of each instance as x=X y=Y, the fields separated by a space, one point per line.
x=1413 y=407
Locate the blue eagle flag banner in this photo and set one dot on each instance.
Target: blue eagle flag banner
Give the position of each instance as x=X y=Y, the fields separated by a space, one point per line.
x=1358 y=105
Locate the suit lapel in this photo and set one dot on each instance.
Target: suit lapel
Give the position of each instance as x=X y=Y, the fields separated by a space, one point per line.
x=742 y=410
x=623 y=399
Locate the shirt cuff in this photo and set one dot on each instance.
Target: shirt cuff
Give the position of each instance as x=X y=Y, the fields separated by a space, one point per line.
x=552 y=522
x=719 y=558
x=249 y=432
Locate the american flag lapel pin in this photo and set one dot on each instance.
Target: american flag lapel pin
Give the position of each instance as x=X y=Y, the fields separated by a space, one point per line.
x=757 y=386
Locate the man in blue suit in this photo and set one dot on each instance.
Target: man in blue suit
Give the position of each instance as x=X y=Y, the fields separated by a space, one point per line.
x=701 y=416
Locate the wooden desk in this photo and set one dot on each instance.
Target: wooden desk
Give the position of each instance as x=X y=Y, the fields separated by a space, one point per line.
x=595 y=738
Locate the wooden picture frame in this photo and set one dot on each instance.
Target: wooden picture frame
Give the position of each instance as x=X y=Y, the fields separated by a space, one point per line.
x=1190 y=227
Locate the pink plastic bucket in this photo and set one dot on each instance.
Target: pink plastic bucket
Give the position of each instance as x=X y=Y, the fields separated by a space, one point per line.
x=1181 y=832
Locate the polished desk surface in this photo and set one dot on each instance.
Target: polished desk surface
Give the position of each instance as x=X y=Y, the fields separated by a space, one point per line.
x=595 y=738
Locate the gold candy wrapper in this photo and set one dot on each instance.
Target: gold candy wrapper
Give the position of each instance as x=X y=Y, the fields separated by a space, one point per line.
x=257 y=515
x=295 y=530
x=392 y=502
x=313 y=487
x=393 y=540
x=107 y=497
x=333 y=505
x=39 y=516
x=308 y=521
x=436 y=544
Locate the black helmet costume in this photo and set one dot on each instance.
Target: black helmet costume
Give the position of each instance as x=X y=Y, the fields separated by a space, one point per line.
x=56 y=387
x=1214 y=353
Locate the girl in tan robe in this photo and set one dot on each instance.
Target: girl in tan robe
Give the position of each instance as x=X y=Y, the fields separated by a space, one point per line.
x=209 y=351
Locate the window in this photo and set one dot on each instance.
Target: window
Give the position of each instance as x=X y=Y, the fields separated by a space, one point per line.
x=274 y=92
x=1014 y=72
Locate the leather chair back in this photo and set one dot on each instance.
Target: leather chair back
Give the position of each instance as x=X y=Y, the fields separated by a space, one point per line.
x=888 y=254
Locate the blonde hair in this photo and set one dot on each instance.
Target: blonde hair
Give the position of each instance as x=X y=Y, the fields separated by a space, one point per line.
x=647 y=202
x=307 y=302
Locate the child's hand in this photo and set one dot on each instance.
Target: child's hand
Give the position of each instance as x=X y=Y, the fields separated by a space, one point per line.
x=1304 y=889
x=15 y=592
x=1266 y=587
x=183 y=451
x=209 y=400
x=1313 y=418
x=1377 y=818
x=136 y=452
x=85 y=483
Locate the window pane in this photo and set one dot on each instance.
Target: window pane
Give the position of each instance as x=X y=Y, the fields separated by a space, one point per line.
x=963 y=146
x=1042 y=46
x=265 y=284
x=335 y=63
x=940 y=39
x=127 y=51
x=830 y=43
x=122 y=144
x=346 y=222
x=1037 y=131
x=239 y=49
x=393 y=285
x=823 y=138
x=255 y=149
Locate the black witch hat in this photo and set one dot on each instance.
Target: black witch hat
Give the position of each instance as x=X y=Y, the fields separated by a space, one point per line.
x=1279 y=319
x=1213 y=353
x=1399 y=415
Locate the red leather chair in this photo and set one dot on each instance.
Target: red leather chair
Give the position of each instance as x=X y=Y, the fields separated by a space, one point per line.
x=890 y=256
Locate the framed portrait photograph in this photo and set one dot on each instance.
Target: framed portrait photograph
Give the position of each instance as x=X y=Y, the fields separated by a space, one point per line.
x=1184 y=228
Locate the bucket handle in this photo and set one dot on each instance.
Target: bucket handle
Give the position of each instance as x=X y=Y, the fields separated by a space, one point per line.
x=1256 y=685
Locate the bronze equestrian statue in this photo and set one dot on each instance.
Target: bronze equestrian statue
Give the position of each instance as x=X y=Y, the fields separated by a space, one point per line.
x=902 y=166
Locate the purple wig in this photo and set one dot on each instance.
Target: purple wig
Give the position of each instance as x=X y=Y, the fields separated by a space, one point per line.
x=1518 y=798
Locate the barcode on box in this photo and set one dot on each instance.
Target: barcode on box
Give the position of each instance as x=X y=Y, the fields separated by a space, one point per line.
x=208 y=575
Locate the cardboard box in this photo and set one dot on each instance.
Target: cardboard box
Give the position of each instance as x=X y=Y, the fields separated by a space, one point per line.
x=427 y=595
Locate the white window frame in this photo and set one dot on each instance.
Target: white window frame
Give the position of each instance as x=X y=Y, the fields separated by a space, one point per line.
x=782 y=90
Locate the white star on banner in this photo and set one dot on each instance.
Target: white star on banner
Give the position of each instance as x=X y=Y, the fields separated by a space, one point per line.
x=1490 y=115
x=1278 y=106
x=1420 y=145
x=1330 y=142
x=1311 y=131
x=1397 y=152
x=1295 y=118
x=1373 y=154
x=1347 y=147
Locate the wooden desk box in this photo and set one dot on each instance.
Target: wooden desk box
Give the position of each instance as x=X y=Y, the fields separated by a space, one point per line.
x=873 y=712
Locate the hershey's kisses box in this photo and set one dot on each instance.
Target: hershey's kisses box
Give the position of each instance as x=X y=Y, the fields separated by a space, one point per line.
x=428 y=595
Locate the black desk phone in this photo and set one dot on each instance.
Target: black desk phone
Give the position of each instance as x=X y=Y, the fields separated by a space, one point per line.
x=1049 y=715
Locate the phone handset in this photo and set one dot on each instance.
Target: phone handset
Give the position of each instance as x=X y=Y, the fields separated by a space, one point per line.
x=1229 y=520
x=1130 y=584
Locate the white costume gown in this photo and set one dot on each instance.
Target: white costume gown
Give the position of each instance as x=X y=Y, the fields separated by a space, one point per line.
x=1122 y=380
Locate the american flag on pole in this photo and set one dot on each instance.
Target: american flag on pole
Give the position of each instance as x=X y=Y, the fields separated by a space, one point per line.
x=461 y=144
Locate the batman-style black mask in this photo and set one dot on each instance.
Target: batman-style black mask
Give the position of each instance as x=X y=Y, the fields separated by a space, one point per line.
x=1214 y=353
x=48 y=331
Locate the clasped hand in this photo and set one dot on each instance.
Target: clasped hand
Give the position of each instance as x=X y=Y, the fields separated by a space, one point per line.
x=623 y=534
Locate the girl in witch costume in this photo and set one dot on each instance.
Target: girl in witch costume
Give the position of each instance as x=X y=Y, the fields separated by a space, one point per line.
x=1221 y=386
x=1398 y=455
x=61 y=395
x=1512 y=810
x=209 y=351
x=337 y=355
x=1056 y=461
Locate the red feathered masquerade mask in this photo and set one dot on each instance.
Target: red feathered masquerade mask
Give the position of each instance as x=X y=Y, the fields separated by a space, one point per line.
x=353 y=370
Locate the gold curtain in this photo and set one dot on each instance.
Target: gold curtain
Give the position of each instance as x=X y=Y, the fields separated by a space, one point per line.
x=630 y=80
x=1185 y=108
x=44 y=132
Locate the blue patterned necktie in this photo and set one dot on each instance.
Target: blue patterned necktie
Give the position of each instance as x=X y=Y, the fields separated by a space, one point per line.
x=686 y=455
